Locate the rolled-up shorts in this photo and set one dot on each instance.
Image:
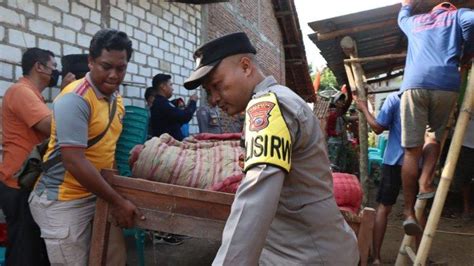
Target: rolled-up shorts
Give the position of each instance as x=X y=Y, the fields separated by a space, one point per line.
x=425 y=110
x=66 y=227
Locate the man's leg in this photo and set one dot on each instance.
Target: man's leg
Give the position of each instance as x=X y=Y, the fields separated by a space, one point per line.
x=25 y=246
x=9 y=199
x=409 y=179
x=441 y=105
x=431 y=152
x=414 y=108
x=386 y=197
x=33 y=246
x=65 y=226
x=380 y=226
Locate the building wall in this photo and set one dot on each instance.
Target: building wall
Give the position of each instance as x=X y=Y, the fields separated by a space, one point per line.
x=257 y=19
x=379 y=98
x=164 y=36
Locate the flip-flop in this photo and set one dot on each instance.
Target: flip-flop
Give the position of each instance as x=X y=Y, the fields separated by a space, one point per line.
x=426 y=195
x=411 y=227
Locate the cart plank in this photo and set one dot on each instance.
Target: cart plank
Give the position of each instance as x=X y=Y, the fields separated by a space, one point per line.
x=168 y=208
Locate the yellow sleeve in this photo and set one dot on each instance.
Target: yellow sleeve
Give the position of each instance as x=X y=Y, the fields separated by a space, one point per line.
x=267 y=137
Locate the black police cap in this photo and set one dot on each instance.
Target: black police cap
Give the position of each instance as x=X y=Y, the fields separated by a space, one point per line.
x=211 y=54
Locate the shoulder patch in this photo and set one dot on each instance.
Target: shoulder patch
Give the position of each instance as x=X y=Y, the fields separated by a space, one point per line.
x=267 y=137
x=259 y=114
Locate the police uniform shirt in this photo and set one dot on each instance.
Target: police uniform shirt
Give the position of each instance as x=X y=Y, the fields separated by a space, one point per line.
x=209 y=120
x=284 y=211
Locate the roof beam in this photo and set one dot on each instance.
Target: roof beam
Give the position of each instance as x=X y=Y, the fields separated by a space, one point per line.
x=375 y=58
x=388 y=77
x=355 y=29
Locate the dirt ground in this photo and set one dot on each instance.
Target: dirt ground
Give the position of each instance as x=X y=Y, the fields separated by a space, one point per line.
x=448 y=248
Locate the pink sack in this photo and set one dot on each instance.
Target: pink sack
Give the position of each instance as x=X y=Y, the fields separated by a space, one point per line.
x=347 y=191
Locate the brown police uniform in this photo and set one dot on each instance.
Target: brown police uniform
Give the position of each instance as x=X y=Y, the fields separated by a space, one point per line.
x=288 y=218
x=284 y=212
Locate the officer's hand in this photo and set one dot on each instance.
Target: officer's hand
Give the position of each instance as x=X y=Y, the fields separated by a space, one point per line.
x=193 y=97
x=67 y=79
x=407 y=2
x=124 y=213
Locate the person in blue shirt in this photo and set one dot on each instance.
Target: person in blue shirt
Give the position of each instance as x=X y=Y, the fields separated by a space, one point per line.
x=165 y=116
x=429 y=91
x=387 y=119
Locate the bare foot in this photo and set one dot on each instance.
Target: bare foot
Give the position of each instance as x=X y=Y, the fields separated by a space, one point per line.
x=426 y=188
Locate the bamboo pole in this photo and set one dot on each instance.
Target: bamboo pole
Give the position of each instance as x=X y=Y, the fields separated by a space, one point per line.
x=349 y=47
x=375 y=58
x=363 y=133
x=350 y=76
x=447 y=174
x=409 y=241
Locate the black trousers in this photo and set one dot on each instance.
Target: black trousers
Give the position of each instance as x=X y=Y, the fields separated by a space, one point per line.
x=25 y=245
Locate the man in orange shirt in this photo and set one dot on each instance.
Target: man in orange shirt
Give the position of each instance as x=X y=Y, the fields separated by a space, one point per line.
x=26 y=122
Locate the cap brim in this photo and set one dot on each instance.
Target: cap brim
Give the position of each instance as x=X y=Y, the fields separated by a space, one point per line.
x=198 y=75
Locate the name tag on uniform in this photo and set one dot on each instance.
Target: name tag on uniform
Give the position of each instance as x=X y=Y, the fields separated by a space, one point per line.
x=267 y=138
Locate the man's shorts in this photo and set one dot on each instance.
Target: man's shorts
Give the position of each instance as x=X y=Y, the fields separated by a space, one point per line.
x=425 y=109
x=390 y=185
x=464 y=168
x=66 y=227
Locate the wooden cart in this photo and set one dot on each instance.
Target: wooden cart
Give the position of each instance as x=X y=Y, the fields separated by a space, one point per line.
x=168 y=208
x=186 y=211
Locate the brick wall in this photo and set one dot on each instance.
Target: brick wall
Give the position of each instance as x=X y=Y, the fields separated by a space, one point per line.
x=257 y=19
x=164 y=37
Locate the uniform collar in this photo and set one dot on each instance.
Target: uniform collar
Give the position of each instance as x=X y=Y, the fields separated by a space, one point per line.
x=265 y=83
x=97 y=92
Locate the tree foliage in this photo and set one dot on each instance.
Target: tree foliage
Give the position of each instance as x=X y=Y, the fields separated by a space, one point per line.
x=328 y=79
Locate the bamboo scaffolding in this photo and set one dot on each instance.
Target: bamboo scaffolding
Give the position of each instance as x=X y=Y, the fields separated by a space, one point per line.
x=447 y=174
x=356 y=77
x=375 y=58
x=409 y=241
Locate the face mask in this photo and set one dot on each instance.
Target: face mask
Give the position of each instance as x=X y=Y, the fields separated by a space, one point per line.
x=53 y=81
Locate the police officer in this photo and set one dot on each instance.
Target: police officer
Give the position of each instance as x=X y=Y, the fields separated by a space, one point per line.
x=284 y=212
x=209 y=120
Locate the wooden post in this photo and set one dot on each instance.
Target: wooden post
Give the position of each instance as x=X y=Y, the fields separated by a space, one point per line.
x=349 y=47
x=100 y=234
x=350 y=76
x=447 y=174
